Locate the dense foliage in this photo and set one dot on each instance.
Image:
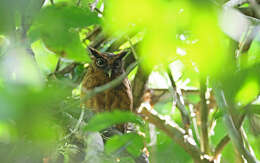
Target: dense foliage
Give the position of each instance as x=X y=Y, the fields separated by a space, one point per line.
x=194 y=67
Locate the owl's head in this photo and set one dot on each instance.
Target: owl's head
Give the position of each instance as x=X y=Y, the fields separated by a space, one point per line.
x=110 y=63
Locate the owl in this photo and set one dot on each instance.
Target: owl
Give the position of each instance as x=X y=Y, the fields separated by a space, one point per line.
x=104 y=68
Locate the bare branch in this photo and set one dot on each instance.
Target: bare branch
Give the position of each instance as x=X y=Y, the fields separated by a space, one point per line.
x=139 y=86
x=176 y=134
x=233 y=132
x=178 y=101
x=225 y=140
x=204 y=117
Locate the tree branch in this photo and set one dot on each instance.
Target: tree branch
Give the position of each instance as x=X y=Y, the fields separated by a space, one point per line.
x=175 y=133
x=179 y=103
x=204 y=118
x=139 y=86
x=233 y=133
x=225 y=140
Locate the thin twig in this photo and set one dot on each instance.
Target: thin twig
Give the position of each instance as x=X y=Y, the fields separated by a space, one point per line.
x=179 y=103
x=246 y=141
x=233 y=132
x=94 y=5
x=57 y=65
x=132 y=46
x=75 y=129
x=98 y=11
x=194 y=121
x=204 y=118
x=225 y=140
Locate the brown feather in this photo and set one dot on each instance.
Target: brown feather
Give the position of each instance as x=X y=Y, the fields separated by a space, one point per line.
x=119 y=97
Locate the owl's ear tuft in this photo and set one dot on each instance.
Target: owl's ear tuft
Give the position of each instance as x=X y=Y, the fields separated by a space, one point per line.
x=122 y=54
x=93 y=52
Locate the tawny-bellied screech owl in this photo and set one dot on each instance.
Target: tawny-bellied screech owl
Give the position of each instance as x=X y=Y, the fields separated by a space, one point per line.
x=104 y=68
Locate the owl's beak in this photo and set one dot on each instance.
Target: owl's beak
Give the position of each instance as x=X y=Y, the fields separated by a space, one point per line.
x=109 y=72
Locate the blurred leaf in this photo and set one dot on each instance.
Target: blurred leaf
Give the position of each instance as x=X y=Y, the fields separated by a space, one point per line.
x=46 y=60
x=17 y=66
x=62 y=14
x=218 y=114
x=189 y=78
x=56 y=26
x=193 y=98
x=254 y=108
x=6 y=16
x=104 y=120
x=127 y=160
x=219 y=132
x=242 y=86
x=248 y=92
x=254 y=51
x=168 y=151
x=164 y=107
x=229 y=153
x=254 y=140
x=12 y=11
x=132 y=142
x=254 y=121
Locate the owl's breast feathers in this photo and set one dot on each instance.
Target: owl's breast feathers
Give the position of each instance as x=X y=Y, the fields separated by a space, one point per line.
x=119 y=97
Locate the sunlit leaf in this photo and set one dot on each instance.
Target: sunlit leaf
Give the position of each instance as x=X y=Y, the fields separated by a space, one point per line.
x=45 y=59
x=56 y=26
x=104 y=120
x=132 y=142
x=254 y=51
x=242 y=86
x=248 y=92
x=163 y=154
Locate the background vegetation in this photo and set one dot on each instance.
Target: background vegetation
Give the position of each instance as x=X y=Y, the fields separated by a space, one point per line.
x=194 y=66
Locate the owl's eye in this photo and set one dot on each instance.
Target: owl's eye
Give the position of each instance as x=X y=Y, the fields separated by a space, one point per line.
x=100 y=62
x=117 y=64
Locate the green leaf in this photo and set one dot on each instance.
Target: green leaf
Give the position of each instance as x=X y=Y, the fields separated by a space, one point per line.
x=254 y=51
x=46 y=60
x=6 y=16
x=166 y=150
x=127 y=160
x=242 y=86
x=255 y=108
x=68 y=16
x=104 y=120
x=57 y=26
x=132 y=142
